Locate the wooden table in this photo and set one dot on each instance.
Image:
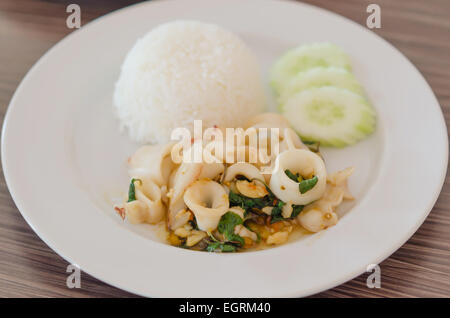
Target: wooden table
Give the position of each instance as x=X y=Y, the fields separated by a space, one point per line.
x=420 y=29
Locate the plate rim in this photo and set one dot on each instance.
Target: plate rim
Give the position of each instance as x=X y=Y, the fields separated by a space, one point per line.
x=17 y=200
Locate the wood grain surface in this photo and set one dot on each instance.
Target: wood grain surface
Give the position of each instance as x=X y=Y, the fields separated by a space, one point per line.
x=420 y=29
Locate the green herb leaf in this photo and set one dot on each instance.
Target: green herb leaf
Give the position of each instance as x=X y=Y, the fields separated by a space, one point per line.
x=293 y=177
x=296 y=210
x=228 y=248
x=221 y=247
x=277 y=216
x=226 y=226
x=276 y=219
x=307 y=185
x=249 y=203
x=276 y=212
x=240 y=200
x=278 y=208
x=132 y=190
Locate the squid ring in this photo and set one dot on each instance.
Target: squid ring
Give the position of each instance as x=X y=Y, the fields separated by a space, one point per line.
x=152 y=161
x=147 y=208
x=208 y=201
x=304 y=162
x=291 y=141
x=244 y=169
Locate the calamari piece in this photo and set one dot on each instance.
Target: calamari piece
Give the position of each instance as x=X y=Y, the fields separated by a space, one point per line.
x=334 y=195
x=304 y=162
x=211 y=170
x=152 y=161
x=248 y=154
x=214 y=152
x=148 y=207
x=315 y=220
x=196 y=237
x=253 y=189
x=208 y=201
x=181 y=217
x=237 y=210
x=267 y=120
x=244 y=232
x=277 y=238
x=186 y=174
x=287 y=210
x=242 y=137
x=171 y=184
x=219 y=152
x=285 y=139
x=244 y=169
x=290 y=140
x=320 y=215
x=164 y=197
x=267 y=210
x=339 y=179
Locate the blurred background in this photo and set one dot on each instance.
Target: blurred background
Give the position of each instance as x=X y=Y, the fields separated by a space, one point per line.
x=419 y=29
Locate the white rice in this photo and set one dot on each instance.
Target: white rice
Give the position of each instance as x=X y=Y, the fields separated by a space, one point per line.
x=186 y=70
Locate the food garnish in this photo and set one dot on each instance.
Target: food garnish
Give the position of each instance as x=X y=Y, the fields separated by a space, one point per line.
x=320 y=97
x=132 y=190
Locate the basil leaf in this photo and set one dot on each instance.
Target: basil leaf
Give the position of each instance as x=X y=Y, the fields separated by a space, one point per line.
x=278 y=208
x=276 y=212
x=293 y=177
x=276 y=219
x=249 y=203
x=307 y=185
x=212 y=247
x=226 y=226
x=228 y=221
x=296 y=210
x=221 y=247
x=228 y=248
x=239 y=200
x=277 y=216
x=132 y=190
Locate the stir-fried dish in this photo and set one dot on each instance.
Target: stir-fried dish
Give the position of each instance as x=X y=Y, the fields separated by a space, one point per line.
x=232 y=205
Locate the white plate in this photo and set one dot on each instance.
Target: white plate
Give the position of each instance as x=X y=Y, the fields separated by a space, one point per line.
x=64 y=160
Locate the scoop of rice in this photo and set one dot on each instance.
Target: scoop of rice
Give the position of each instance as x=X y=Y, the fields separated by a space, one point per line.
x=183 y=71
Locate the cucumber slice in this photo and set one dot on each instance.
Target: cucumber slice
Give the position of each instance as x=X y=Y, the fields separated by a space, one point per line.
x=318 y=77
x=304 y=58
x=334 y=116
